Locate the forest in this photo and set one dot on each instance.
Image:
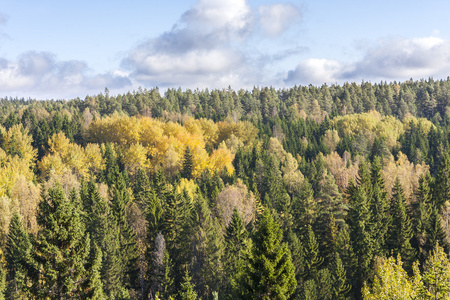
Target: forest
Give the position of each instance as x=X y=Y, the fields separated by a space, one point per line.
x=330 y=192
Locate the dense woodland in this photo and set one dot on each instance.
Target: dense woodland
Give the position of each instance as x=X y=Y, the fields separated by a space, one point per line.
x=331 y=192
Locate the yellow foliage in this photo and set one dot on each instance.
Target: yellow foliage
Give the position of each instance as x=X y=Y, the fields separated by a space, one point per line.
x=406 y=171
x=135 y=158
x=388 y=127
x=221 y=158
x=187 y=185
x=148 y=142
x=17 y=141
x=64 y=156
x=424 y=124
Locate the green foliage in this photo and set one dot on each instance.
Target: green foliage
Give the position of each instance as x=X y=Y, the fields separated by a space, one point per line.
x=63 y=247
x=269 y=272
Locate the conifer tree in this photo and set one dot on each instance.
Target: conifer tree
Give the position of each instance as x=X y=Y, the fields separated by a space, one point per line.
x=339 y=278
x=269 y=272
x=379 y=207
x=361 y=235
x=18 y=258
x=62 y=249
x=94 y=285
x=236 y=237
x=127 y=246
x=400 y=228
x=208 y=249
x=441 y=191
x=435 y=233
x=187 y=169
x=422 y=210
x=187 y=291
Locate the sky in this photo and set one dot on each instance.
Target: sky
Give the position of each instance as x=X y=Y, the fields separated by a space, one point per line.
x=67 y=49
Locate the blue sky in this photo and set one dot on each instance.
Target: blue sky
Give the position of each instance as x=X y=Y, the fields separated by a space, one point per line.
x=65 y=49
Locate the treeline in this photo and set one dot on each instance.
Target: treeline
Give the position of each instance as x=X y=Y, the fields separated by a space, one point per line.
x=303 y=193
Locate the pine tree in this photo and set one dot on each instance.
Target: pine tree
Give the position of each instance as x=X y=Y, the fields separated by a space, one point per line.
x=62 y=248
x=18 y=258
x=269 y=272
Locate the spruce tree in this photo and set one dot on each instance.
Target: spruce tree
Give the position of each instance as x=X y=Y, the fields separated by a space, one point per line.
x=18 y=258
x=379 y=207
x=435 y=233
x=339 y=278
x=269 y=272
x=207 y=250
x=187 y=290
x=235 y=245
x=62 y=248
x=421 y=213
x=400 y=228
x=361 y=236
x=188 y=166
x=128 y=252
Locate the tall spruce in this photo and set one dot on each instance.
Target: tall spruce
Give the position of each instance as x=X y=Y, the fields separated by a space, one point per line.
x=62 y=248
x=269 y=272
x=379 y=207
x=400 y=228
x=19 y=260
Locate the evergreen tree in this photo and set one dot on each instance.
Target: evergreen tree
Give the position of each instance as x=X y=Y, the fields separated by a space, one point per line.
x=441 y=191
x=187 y=291
x=269 y=272
x=435 y=233
x=400 y=228
x=361 y=236
x=313 y=259
x=94 y=285
x=18 y=258
x=235 y=245
x=208 y=248
x=379 y=207
x=187 y=169
x=62 y=249
x=339 y=278
x=128 y=252
x=422 y=210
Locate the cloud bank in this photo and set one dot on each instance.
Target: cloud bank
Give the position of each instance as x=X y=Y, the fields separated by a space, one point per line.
x=390 y=59
x=40 y=73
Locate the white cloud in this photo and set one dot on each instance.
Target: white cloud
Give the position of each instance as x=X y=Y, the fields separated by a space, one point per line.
x=315 y=71
x=40 y=73
x=199 y=51
x=390 y=59
x=404 y=59
x=276 y=18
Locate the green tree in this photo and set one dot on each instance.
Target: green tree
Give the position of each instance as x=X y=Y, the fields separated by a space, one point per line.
x=186 y=171
x=187 y=291
x=400 y=228
x=62 y=248
x=18 y=258
x=436 y=276
x=269 y=273
x=339 y=279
